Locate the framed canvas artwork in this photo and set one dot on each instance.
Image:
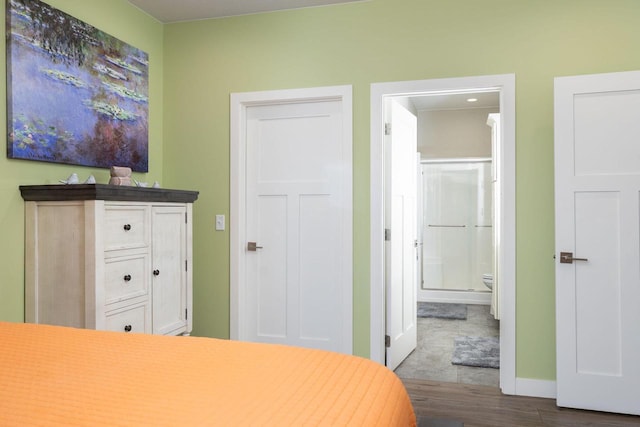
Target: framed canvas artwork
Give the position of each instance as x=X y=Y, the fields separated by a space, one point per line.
x=75 y=94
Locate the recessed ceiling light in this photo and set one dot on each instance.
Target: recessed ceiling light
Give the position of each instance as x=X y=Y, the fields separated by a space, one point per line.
x=472 y=99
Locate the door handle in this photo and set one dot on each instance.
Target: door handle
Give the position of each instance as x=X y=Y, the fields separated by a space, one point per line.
x=252 y=246
x=567 y=258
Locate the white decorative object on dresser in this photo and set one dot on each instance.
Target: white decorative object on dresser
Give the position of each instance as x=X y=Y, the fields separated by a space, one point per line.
x=109 y=257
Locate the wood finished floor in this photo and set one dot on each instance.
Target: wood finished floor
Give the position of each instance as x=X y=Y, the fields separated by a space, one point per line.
x=483 y=406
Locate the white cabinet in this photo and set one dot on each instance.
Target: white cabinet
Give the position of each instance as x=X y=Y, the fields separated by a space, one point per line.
x=108 y=257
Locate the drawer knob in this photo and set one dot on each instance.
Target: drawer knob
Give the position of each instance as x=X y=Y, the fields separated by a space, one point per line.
x=127 y=227
x=127 y=278
x=156 y=272
x=127 y=328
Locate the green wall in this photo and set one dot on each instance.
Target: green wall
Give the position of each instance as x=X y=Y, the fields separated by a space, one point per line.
x=196 y=65
x=378 y=41
x=119 y=19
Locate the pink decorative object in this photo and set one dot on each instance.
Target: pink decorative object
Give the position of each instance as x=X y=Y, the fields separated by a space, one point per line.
x=120 y=175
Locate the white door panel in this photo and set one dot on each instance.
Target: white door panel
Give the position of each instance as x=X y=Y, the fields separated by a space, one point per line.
x=316 y=298
x=307 y=132
x=402 y=192
x=598 y=219
x=597 y=225
x=601 y=117
x=268 y=272
x=297 y=283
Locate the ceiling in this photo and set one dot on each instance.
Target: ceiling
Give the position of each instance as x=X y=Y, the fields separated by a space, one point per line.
x=456 y=101
x=167 y=11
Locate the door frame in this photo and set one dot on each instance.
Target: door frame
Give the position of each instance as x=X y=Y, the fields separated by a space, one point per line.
x=505 y=85
x=239 y=102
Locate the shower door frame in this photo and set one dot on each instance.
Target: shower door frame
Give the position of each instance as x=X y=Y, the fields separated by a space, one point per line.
x=463 y=296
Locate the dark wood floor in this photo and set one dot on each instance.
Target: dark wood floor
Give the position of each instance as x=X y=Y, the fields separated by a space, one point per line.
x=482 y=406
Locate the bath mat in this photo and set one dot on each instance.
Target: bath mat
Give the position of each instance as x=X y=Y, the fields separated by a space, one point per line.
x=441 y=310
x=481 y=352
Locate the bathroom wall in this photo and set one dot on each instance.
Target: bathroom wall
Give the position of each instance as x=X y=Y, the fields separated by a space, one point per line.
x=454 y=133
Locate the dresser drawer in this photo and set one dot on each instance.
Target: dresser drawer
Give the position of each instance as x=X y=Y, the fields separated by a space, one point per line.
x=126 y=227
x=126 y=278
x=130 y=319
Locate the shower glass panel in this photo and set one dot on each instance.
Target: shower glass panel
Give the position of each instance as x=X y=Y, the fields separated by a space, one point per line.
x=457 y=224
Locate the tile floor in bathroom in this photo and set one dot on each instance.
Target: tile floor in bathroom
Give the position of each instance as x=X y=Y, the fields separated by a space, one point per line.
x=431 y=360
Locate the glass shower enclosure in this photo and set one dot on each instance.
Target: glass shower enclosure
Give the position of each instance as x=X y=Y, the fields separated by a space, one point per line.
x=457 y=226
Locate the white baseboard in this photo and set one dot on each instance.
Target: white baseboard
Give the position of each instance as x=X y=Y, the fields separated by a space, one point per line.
x=535 y=388
x=457 y=297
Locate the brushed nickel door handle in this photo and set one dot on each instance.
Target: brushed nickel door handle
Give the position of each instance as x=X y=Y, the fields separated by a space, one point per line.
x=567 y=258
x=252 y=246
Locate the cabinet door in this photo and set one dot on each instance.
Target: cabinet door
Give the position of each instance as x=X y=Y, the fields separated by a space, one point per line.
x=169 y=267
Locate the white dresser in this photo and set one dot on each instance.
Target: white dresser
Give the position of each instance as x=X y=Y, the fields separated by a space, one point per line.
x=109 y=257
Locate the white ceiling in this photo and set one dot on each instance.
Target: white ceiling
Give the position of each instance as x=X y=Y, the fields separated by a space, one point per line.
x=458 y=101
x=190 y=10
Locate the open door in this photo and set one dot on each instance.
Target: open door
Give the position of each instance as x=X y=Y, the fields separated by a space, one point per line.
x=401 y=236
x=597 y=192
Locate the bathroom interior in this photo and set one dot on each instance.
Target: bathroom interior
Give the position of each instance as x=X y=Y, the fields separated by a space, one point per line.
x=456 y=242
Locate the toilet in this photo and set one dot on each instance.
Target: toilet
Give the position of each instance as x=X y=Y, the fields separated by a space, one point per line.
x=487 y=279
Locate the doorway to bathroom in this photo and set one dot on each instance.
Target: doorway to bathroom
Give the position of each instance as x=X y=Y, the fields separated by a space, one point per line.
x=457 y=329
x=465 y=235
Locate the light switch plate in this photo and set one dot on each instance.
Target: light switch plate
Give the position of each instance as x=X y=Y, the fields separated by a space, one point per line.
x=219 y=222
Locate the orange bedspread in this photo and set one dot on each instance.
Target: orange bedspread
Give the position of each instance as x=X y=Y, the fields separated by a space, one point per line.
x=52 y=375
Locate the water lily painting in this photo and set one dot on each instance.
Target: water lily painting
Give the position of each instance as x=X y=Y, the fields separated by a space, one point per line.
x=75 y=95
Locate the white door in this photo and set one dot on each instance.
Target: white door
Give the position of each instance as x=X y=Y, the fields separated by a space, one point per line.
x=401 y=220
x=296 y=250
x=597 y=173
x=169 y=283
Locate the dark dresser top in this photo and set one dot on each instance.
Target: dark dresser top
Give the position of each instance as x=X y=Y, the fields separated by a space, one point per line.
x=123 y=193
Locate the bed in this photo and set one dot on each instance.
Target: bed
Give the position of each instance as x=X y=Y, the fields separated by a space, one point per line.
x=53 y=375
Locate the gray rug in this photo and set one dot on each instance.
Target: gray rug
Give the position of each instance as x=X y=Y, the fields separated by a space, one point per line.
x=442 y=310
x=481 y=352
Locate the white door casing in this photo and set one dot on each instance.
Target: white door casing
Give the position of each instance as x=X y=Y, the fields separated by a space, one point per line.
x=505 y=84
x=291 y=181
x=401 y=220
x=419 y=225
x=597 y=198
x=494 y=122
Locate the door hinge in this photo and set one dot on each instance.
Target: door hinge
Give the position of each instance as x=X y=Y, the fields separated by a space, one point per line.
x=387 y=128
x=185 y=265
x=185 y=218
x=186 y=313
x=387 y=234
x=387 y=341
